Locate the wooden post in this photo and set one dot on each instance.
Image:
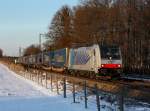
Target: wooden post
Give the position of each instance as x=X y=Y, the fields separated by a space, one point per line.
x=34 y=75
x=41 y=78
x=121 y=100
x=64 y=83
x=46 y=80
x=57 y=85
x=30 y=75
x=85 y=94
x=74 y=93
x=51 y=82
x=24 y=74
x=97 y=98
x=38 y=76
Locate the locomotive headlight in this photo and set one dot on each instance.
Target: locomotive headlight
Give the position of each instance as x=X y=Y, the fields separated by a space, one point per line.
x=110 y=58
x=102 y=65
x=119 y=65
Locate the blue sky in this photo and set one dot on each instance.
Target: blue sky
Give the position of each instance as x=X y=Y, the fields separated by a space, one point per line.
x=21 y=21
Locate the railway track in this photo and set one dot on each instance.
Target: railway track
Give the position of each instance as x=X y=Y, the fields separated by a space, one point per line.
x=137 y=78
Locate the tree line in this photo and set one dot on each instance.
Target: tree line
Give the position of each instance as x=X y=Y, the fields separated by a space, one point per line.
x=122 y=22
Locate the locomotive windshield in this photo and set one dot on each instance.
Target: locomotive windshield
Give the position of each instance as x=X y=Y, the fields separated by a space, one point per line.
x=110 y=52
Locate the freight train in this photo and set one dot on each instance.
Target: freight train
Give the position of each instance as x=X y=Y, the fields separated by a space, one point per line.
x=92 y=61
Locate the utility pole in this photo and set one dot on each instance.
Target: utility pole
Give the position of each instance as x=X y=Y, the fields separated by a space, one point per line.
x=40 y=37
x=19 y=51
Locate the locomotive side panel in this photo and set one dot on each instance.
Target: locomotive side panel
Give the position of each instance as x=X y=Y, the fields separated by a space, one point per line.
x=34 y=59
x=84 y=58
x=59 y=60
x=48 y=58
x=39 y=59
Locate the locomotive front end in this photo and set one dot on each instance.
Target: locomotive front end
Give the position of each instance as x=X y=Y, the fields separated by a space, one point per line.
x=111 y=61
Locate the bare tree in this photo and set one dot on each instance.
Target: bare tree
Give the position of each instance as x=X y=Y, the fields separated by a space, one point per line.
x=123 y=22
x=31 y=50
x=60 y=28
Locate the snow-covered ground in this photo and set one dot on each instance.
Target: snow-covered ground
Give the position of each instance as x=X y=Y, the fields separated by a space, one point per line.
x=19 y=94
x=12 y=86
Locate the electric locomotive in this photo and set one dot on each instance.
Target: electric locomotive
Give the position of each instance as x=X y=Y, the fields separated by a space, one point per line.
x=96 y=60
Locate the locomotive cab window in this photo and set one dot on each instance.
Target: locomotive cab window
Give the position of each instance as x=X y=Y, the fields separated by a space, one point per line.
x=108 y=52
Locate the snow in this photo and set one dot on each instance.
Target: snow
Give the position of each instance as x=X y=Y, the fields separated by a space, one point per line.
x=38 y=104
x=12 y=86
x=20 y=94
